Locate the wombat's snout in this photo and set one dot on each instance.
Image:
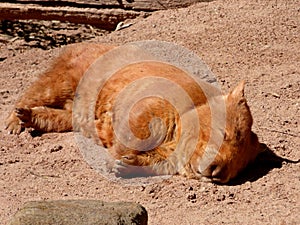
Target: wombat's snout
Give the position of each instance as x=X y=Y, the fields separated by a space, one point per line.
x=217 y=173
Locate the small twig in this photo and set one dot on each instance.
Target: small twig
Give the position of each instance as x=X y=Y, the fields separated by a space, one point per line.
x=281 y=132
x=274 y=94
x=43 y=175
x=122 y=25
x=162 y=5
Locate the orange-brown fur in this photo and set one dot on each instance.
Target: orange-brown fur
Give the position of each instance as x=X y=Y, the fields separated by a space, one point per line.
x=47 y=106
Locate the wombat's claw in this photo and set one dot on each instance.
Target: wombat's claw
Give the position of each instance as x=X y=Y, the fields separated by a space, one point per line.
x=14 y=128
x=124 y=170
x=13 y=124
x=119 y=168
x=24 y=114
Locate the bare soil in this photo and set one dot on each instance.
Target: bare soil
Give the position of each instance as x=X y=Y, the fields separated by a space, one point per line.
x=257 y=41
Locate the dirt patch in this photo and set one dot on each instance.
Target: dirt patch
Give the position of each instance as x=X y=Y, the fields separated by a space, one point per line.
x=46 y=34
x=240 y=40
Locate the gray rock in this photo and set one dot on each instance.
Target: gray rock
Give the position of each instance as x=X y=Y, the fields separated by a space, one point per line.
x=80 y=212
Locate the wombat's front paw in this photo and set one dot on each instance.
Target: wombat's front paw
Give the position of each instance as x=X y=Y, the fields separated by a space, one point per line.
x=126 y=171
x=121 y=169
x=13 y=124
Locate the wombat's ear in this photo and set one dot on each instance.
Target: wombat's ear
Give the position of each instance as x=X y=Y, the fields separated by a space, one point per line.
x=238 y=92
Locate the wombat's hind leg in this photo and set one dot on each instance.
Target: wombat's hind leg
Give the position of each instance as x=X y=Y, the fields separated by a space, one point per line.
x=45 y=119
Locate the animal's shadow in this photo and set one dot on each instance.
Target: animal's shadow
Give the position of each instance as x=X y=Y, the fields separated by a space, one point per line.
x=263 y=164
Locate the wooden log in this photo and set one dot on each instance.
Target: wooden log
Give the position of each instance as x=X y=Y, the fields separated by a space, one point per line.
x=140 y=5
x=105 y=14
x=103 y=18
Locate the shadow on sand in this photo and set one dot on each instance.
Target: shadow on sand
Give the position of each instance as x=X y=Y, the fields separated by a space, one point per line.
x=265 y=162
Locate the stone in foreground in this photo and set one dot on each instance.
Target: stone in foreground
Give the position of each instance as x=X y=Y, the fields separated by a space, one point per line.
x=80 y=212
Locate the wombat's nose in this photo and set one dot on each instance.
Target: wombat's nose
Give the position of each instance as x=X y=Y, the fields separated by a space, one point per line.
x=217 y=173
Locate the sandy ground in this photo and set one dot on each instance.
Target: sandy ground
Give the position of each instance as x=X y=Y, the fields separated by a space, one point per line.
x=257 y=41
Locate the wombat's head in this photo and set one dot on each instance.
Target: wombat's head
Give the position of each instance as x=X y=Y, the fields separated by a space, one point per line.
x=240 y=145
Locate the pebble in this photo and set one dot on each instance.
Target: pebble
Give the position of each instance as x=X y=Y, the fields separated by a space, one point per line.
x=221 y=198
x=56 y=148
x=247 y=185
x=192 y=197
